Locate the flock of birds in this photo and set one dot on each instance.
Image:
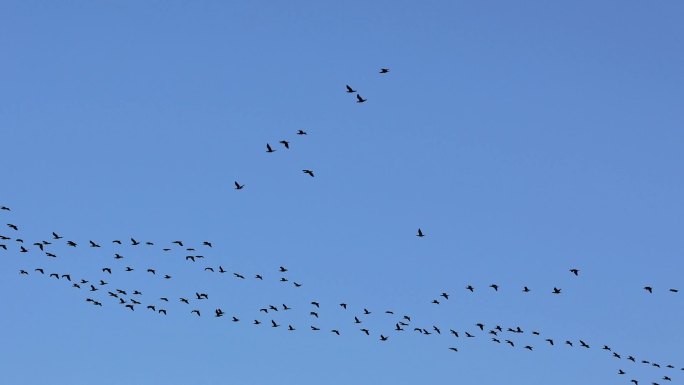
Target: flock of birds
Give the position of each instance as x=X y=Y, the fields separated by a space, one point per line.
x=100 y=291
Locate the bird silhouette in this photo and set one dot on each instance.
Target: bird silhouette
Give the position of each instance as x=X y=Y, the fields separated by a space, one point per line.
x=238 y=186
x=384 y=70
x=574 y=271
x=420 y=233
x=648 y=289
x=359 y=99
x=350 y=90
x=301 y=132
x=268 y=148
x=308 y=172
x=285 y=143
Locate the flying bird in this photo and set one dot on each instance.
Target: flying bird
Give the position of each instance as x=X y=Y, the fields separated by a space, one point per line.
x=268 y=148
x=285 y=143
x=359 y=99
x=350 y=90
x=384 y=70
x=239 y=186
x=308 y=172
x=420 y=233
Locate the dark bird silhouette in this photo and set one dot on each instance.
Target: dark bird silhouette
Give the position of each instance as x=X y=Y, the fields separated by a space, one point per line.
x=526 y=289
x=568 y=343
x=24 y=272
x=550 y=341
x=93 y=244
x=209 y=269
x=13 y=227
x=179 y=243
x=335 y=331
x=343 y=305
x=285 y=143
x=366 y=311
x=674 y=290
x=206 y=243
x=118 y=256
x=259 y=277
x=445 y=295
x=283 y=279
x=162 y=311
x=268 y=148
x=152 y=271
x=496 y=340
x=297 y=284
x=315 y=328
x=495 y=287
x=384 y=70
x=71 y=243
x=574 y=271
x=510 y=343
x=196 y=312
x=528 y=347
x=67 y=276
x=274 y=324
x=454 y=332
x=359 y=99
x=368 y=332
x=454 y=349
x=52 y=275
x=118 y=242
x=5 y=208
x=648 y=289
x=481 y=326
x=22 y=249
x=238 y=276
x=218 y=312
x=184 y=300
x=106 y=270
x=470 y=288
x=51 y=255
x=130 y=307
x=41 y=271
x=350 y=90
x=128 y=268
x=308 y=172
x=383 y=338
x=238 y=186
x=235 y=319
x=301 y=132
x=357 y=320
x=435 y=301
x=313 y=313
x=621 y=371
x=556 y=290
x=469 y=335
x=420 y=233
x=134 y=242
x=190 y=258
x=584 y=344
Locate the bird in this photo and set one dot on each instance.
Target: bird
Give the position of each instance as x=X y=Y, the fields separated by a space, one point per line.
x=106 y=270
x=584 y=344
x=5 y=208
x=556 y=290
x=238 y=186
x=335 y=331
x=435 y=301
x=308 y=172
x=318 y=305
x=528 y=347
x=41 y=271
x=648 y=289
x=152 y=271
x=674 y=290
x=495 y=287
x=574 y=271
x=285 y=143
x=454 y=349
x=301 y=132
x=526 y=289
x=134 y=242
x=454 y=332
x=621 y=371
x=470 y=288
x=383 y=338
x=268 y=148
x=550 y=341
x=13 y=227
x=274 y=324
x=343 y=305
x=93 y=244
x=420 y=233
x=218 y=312
x=481 y=326
x=359 y=99
x=195 y=311
x=384 y=70
x=350 y=90
x=209 y=269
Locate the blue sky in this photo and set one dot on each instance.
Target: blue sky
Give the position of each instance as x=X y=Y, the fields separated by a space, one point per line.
x=525 y=138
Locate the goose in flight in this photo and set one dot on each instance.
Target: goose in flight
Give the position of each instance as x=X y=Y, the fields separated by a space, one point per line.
x=268 y=148
x=238 y=186
x=359 y=99
x=285 y=143
x=310 y=172
x=301 y=132
x=350 y=90
x=384 y=70
x=574 y=271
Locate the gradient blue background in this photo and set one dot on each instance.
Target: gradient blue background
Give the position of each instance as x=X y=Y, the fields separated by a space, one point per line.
x=524 y=138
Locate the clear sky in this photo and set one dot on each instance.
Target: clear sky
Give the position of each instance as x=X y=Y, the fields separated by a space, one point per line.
x=524 y=138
